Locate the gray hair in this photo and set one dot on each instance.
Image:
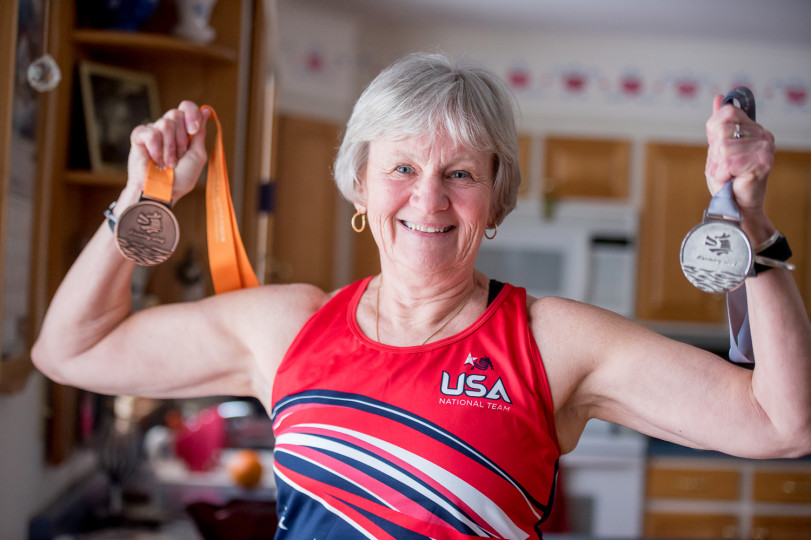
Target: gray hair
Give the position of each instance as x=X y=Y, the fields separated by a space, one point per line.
x=424 y=94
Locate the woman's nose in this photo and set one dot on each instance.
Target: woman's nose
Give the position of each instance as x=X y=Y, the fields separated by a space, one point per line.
x=429 y=193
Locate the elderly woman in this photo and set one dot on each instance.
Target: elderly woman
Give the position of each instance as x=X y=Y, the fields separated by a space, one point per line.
x=429 y=400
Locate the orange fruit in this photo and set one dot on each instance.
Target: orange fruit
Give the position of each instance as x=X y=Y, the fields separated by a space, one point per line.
x=245 y=468
x=173 y=419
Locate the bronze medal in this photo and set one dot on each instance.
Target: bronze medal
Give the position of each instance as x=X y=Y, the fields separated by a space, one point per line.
x=716 y=256
x=147 y=233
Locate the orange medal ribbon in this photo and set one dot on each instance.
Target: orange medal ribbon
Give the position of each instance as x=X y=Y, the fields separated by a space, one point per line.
x=230 y=267
x=158 y=183
x=147 y=232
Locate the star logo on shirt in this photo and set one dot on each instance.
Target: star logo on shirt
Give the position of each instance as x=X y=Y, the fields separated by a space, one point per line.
x=483 y=363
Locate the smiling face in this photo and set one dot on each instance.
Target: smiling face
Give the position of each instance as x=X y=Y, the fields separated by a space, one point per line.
x=428 y=202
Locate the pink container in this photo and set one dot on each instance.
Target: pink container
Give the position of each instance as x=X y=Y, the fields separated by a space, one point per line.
x=200 y=440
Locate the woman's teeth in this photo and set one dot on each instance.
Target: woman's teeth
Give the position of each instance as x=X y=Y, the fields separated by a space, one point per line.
x=421 y=228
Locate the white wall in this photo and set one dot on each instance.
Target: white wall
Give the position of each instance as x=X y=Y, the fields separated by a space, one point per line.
x=659 y=64
x=317 y=61
x=26 y=483
x=354 y=47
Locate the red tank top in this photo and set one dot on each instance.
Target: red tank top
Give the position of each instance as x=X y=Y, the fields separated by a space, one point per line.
x=453 y=439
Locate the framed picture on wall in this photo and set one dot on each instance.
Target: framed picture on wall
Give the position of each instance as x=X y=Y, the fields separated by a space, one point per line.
x=114 y=100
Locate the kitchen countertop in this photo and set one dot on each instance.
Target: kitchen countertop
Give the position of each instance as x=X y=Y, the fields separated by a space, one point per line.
x=156 y=502
x=175 y=486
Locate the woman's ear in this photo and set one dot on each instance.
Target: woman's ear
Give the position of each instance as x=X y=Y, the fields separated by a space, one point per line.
x=492 y=218
x=360 y=193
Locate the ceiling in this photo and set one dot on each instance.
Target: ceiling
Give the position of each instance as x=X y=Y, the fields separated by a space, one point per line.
x=776 y=22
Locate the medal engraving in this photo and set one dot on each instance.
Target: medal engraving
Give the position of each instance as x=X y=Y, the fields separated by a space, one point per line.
x=716 y=256
x=147 y=233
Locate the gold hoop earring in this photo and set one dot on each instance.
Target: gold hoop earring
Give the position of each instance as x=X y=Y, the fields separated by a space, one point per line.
x=495 y=232
x=362 y=222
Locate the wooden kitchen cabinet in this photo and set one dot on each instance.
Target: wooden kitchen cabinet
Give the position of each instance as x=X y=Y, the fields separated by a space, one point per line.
x=710 y=526
x=783 y=486
x=306 y=202
x=788 y=204
x=675 y=197
x=679 y=483
x=781 y=528
x=727 y=498
x=219 y=74
x=580 y=167
x=525 y=145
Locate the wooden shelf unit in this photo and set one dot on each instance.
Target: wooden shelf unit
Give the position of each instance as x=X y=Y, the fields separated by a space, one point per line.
x=222 y=74
x=146 y=43
x=206 y=74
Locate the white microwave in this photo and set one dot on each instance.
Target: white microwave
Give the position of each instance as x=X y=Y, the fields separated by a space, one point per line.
x=589 y=260
x=548 y=260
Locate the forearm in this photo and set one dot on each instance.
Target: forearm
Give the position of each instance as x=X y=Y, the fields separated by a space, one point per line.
x=781 y=338
x=90 y=303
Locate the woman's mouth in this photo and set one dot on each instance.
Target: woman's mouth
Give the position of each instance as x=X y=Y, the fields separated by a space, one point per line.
x=425 y=228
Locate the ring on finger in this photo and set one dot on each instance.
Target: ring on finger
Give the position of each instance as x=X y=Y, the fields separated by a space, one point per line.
x=737 y=134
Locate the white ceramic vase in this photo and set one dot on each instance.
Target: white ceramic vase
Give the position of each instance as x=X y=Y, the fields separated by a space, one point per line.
x=193 y=20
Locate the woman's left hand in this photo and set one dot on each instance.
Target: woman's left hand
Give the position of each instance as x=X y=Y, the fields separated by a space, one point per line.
x=748 y=160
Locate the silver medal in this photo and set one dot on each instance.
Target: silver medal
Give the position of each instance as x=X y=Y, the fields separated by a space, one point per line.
x=716 y=256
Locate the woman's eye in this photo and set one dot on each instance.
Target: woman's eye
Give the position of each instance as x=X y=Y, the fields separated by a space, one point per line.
x=460 y=174
x=403 y=169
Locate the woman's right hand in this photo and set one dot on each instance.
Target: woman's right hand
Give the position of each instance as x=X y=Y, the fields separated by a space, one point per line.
x=176 y=140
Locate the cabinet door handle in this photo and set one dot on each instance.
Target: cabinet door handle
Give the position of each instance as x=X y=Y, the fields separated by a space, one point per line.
x=760 y=533
x=791 y=487
x=729 y=532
